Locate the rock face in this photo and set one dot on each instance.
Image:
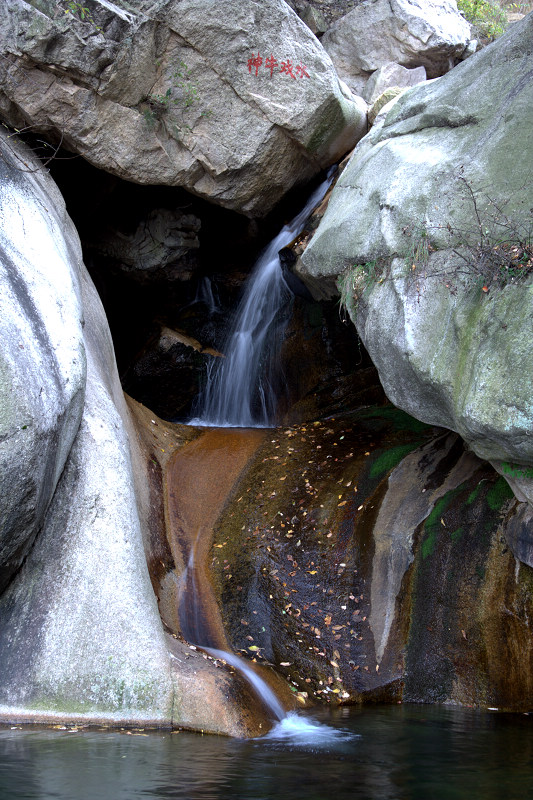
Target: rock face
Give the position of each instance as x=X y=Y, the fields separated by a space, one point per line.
x=163 y=247
x=376 y=570
x=413 y=33
x=392 y=75
x=421 y=206
x=166 y=374
x=42 y=362
x=81 y=638
x=235 y=110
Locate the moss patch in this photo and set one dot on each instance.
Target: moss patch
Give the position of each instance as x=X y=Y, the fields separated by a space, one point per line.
x=399 y=420
x=390 y=458
x=498 y=494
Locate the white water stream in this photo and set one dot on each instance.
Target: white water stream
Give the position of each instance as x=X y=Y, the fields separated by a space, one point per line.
x=288 y=727
x=240 y=392
x=261 y=687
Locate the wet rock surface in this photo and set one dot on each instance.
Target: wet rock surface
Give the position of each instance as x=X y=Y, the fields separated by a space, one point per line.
x=361 y=554
x=191 y=472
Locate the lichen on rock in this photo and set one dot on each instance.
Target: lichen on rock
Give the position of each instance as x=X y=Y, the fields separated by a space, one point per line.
x=435 y=182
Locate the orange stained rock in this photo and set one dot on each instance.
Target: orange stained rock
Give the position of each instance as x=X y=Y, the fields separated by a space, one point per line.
x=199 y=480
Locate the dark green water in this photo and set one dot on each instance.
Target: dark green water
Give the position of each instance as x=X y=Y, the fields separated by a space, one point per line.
x=386 y=753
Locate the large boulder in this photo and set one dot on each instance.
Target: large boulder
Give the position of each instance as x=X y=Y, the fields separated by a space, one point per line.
x=42 y=359
x=413 y=33
x=430 y=206
x=376 y=571
x=80 y=636
x=392 y=75
x=81 y=639
x=235 y=109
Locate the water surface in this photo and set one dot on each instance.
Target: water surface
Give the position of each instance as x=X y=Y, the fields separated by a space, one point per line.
x=388 y=753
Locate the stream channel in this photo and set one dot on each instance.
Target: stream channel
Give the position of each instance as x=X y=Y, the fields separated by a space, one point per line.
x=238 y=404
x=387 y=752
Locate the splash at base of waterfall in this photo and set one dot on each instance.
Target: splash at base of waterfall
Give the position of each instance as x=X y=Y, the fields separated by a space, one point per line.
x=307 y=733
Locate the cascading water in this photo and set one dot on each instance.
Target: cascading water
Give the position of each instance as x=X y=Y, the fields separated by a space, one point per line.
x=240 y=390
x=240 y=394
x=261 y=687
x=206 y=294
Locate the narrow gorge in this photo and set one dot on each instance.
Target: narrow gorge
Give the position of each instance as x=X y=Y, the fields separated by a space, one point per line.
x=266 y=399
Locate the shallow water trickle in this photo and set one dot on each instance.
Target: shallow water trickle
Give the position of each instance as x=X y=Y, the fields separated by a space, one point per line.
x=260 y=687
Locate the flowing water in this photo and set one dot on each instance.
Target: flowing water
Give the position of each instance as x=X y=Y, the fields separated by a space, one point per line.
x=240 y=393
x=241 y=388
x=383 y=753
x=260 y=687
x=199 y=479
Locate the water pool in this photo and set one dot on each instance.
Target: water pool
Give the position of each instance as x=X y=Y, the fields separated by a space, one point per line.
x=388 y=753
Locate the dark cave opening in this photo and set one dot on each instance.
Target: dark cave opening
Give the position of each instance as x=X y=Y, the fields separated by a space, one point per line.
x=166 y=326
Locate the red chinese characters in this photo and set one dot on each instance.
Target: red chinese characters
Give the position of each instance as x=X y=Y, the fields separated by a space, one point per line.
x=271 y=64
x=301 y=71
x=286 y=67
x=254 y=61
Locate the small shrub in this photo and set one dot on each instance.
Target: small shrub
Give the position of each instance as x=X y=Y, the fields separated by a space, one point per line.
x=516 y=470
x=488 y=17
x=183 y=92
x=358 y=280
x=78 y=11
x=150 y=117
x=492 y=252
x=182 y=95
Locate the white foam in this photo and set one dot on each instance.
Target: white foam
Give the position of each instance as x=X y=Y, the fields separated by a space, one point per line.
x=306 y=732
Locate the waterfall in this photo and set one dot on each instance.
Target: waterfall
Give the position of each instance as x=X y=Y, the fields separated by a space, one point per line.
x=260 y=686
x=196 y=628
x=206 y=294
x=240 y=390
